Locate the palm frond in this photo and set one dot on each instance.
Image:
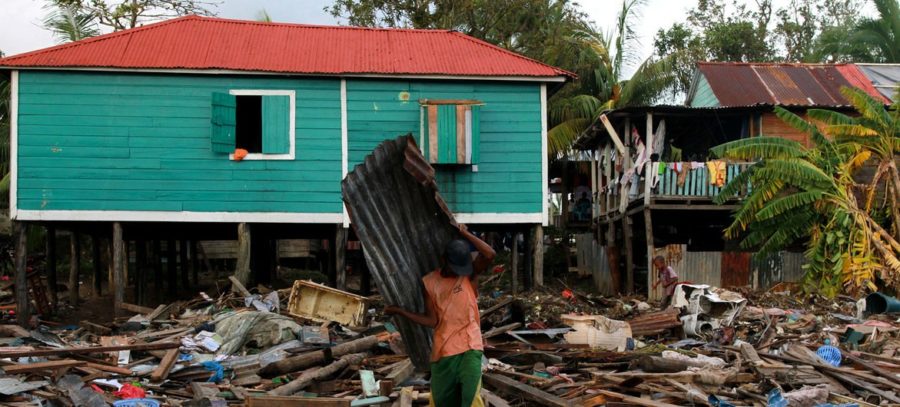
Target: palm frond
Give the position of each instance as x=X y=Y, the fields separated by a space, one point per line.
x=758 y=148
x=783 y=204
x=853 y=130
x=561 y=136
x=867 y=106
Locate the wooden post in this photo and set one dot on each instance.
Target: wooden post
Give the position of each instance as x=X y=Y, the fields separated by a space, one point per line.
x=340 y=257
x=157 y=270
x=183 y=263
x=648 y=230
x=172 y=267
x=365 y=275
x=97 y=265
x=514 y=264
x=118 y=261
x=74 y=268
x=242 y=268
x=612 y=256
x=629 y=253
x=140 y=272
x=52 y=280
x=538 y=255
x=195 y=263
x=23 y=306
x=527 y=276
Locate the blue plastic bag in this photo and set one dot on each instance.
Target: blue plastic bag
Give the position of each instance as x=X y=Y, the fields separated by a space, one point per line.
x=776 y=399
x=217 y=369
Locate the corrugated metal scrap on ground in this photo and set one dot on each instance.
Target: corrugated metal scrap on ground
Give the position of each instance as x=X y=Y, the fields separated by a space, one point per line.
x=403 y=225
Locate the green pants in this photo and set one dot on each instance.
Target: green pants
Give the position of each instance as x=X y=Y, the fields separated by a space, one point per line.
x=456 y=380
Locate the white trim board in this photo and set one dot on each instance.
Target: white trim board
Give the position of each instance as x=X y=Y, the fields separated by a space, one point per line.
x=13 y=143
x=166 y=216
x=237 y=217
x=344 y=147
x=341 y=75
x=292 y=127
x=545 y=165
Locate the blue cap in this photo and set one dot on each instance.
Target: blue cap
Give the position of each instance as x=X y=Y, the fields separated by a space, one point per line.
x=459 y=257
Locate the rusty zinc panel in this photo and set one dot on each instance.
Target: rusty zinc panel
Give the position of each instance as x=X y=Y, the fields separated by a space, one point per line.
x=735 y=269
x=701 y=268
x=735 y=85
x=403 y=225
x=776 y=268
x=780 y=85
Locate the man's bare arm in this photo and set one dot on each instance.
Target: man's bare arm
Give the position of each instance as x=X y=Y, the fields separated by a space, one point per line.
x=429 y=318
x=486 y=253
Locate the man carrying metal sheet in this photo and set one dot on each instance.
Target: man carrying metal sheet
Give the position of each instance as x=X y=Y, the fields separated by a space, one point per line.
x=452 y=310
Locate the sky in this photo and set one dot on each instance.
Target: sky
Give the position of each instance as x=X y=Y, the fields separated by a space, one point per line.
x=21 y=30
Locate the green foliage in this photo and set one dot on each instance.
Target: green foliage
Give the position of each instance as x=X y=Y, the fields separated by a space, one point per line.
x=809 y=195
x=68 y=23
x=879 y=36
x=124 y=14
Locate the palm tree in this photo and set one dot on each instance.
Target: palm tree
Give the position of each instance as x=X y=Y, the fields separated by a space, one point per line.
x=68 y=23
x=603 y=87
x=880 y=36
x=809 y=194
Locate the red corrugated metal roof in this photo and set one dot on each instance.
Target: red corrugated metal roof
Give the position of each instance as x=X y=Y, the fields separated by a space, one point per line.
x=746 y=84
x=203 y=43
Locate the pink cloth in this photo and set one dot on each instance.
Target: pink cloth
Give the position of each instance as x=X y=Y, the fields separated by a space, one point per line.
x=668 y=278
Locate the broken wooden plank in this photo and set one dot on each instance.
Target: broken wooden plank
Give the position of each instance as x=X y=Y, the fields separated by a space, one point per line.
x=111 y=369
x=295 y=401
x=401 y=372
x=40 y=366
x=633 y=400
x=237 y=286
x=501 y=330
x=510 y=386
x=165 y=366
x=496 y=307
x=493 y=400
x=135 y=308
x=96 y=328
x=92 y=349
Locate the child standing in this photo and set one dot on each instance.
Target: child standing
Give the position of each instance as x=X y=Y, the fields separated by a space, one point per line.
x=667 y=278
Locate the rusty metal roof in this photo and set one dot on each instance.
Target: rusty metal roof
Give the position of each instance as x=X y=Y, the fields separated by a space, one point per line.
x=204 y=43
x=747 y=84
x=403 y=225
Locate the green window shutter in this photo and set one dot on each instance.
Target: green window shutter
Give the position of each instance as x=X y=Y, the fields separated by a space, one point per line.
x=446 y=134
x=276 y=123
x=473 y=130
x=223 y=122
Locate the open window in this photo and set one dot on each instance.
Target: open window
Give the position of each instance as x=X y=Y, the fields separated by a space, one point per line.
x=259 y=121
x=450 y=131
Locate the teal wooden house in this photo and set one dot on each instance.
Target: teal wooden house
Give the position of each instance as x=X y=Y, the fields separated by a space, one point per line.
x=142 y=124
x=221 y=121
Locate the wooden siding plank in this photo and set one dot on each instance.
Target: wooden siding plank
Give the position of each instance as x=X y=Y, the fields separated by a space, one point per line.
x=276 y=123
x=461 y=134
x=433 y=145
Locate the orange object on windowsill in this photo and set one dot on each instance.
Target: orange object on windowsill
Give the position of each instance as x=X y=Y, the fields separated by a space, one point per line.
x=239 y=154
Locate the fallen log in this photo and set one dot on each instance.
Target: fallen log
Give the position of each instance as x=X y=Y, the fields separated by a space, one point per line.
x=318 y=374
x=92 y=349
x=309 y=359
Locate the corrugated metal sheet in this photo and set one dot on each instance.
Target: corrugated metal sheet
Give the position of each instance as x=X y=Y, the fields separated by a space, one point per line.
x=885 y=77
x=692 y=267
x=195 y=42
x=735 y=269
x=776 y=268
x=743 y=84
x=593 y=259
x=403 y=225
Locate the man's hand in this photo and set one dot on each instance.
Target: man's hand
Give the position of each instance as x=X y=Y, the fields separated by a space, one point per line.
x=393 y=310
x=462 y=227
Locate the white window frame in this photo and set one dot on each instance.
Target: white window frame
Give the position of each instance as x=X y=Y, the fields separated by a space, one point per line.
x=292 y=137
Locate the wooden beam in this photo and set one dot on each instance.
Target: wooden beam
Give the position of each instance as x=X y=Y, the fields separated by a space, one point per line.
x=401 y=372
x=96 y=263
x=238 y=287
x=165 y=366
x=613 y=135
x=39 y=366
x=340 y=257
x=23 y=305
x=74 y=267
x=514 y=265
x=510 y=386
x=136 y=308
x=295 y=401
x=629 y=253
x=633 y=400
x=501 y=330
x=112 y=369
x=118 y=260
x=90 y=349
x=538 y=247
x=648 y=232
x=242 y=267
x=52 y=276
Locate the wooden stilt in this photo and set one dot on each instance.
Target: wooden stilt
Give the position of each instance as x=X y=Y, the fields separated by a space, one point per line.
x=74 y=268
x=242 y=268
x=629 y=253
x=158 y=270
x=331 y=261
x=340 y=259
x=97 y=264
x=612 y=255
x=648 y=229
x=140 y=272
x=514 y=264
x=183 y=263
x=118 y=261
x=23 y=306
x=538 y=247
x=195 y=263
x=527 y=276
x=172 y=268
x=52 y=277
x=365 y=275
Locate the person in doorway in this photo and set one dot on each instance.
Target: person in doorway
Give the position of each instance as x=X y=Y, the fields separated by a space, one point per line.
x=451 y=308
x=667 y=278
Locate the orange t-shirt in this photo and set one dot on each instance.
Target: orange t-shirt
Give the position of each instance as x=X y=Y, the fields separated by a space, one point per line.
x=458 y=322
